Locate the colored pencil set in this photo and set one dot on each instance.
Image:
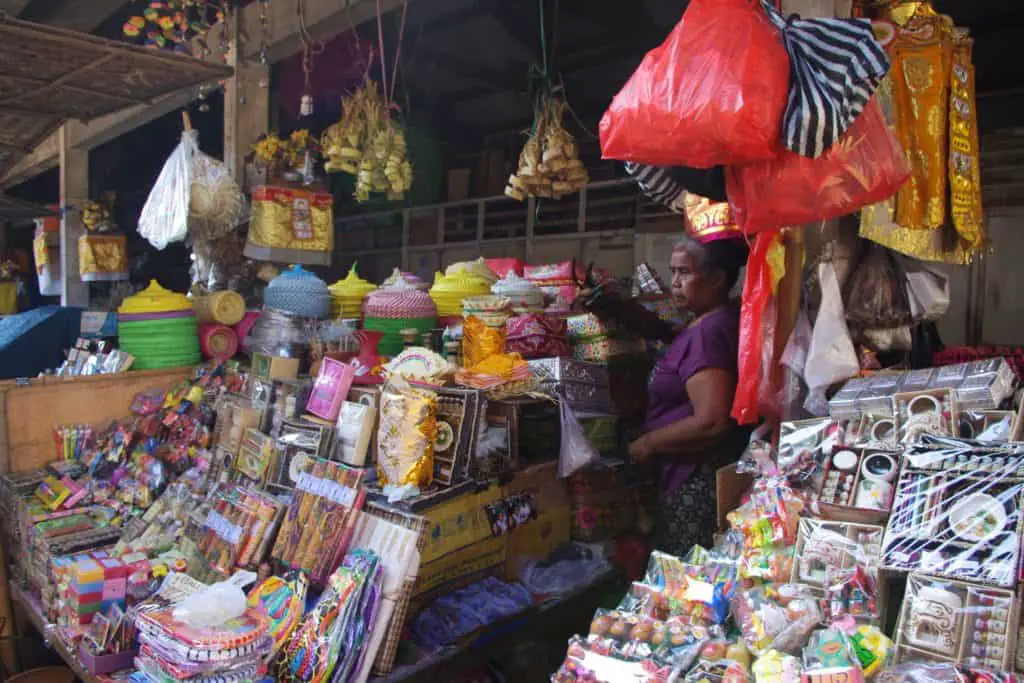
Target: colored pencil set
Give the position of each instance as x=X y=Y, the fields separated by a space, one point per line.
x=320 y=521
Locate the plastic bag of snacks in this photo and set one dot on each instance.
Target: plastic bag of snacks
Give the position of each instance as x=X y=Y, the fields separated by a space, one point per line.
x=776 y=619
x=770 y=515
x=590 y=662
x=777 y=667
x=632 y=635
x=695 y=101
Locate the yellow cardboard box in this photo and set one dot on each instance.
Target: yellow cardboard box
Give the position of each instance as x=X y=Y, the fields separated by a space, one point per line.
x=458 y=523
x=451 y=568
x=537 y=539
x=542 y=481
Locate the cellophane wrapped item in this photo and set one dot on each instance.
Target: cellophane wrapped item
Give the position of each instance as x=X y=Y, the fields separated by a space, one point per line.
x=480 y=341
x=405 y=438
x=589 y=661
x=776 y=618
x=957 y=512
x=164 y=217
x=866 y=166
x=952 y=621
x=697 y=101
x=825 y=548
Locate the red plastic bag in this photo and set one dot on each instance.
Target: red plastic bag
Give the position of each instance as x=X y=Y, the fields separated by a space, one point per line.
x=713 y=93
x=866 y=166
x=757 y=293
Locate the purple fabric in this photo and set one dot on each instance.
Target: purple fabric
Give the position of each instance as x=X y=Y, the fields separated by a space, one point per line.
x=711 y=342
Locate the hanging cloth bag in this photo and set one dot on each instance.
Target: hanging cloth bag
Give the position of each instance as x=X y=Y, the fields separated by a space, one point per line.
x=713 y=93
x=835 y=67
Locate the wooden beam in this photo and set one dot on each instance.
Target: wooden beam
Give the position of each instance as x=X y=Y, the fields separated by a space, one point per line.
x=13 y=7
x=74 y=191
x=246 y=104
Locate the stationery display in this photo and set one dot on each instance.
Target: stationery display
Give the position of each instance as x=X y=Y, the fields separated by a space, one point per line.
x=238 y=529
x=327 y=646
x=318 y=525
x=858 y=484
x=957 y=514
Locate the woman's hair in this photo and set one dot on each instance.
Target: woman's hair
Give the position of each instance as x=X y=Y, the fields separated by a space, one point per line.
x=726 y=255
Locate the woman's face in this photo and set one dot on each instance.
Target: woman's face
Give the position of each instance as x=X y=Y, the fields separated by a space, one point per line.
x=692 y=289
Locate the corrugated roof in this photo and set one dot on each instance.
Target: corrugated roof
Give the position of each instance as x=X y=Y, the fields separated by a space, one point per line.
x=49 y=76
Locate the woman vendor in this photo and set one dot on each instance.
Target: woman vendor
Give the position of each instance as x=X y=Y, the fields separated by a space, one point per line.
x=688 y=432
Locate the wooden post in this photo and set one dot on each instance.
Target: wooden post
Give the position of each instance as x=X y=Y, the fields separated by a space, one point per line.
x=246 y=103
x=74 y=192
x=787 y=302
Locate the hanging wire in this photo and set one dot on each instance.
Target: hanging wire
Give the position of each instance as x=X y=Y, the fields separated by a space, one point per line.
x=310 y=50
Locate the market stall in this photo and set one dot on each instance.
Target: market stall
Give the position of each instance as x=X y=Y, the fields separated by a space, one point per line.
x=379 y=478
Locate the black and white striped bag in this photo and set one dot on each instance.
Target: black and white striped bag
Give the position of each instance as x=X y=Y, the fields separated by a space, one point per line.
x=665 y=185
x=835 y=67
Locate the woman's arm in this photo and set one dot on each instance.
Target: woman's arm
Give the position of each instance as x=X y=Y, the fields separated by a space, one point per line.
x=711 y=393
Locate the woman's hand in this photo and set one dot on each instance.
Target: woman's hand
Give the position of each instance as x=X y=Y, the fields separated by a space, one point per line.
x=642 y=450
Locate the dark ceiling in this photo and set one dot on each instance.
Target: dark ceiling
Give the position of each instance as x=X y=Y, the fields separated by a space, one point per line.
x=468 y=62
x=470 y=59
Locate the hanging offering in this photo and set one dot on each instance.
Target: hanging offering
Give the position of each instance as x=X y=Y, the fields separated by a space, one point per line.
x=172 y=24
x=549 y=165
x=370 y=145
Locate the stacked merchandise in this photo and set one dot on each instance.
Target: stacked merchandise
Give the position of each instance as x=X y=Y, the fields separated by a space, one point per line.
x=902 y=480
x=298 y=292
x=347 y=295
x=159 y=328
x=460 y=281
x=556 y=280
x=584 y=386
x=397 y=307
x=596 y=341
x=173 y=647
x=525 y=296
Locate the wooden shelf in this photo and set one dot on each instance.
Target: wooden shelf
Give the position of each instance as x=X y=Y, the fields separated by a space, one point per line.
x=34 y=611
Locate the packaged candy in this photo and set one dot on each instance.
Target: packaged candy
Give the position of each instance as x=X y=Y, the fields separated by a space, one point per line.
x=770 y=515
x=779 y=619
x=697 y=588
x=776 y=667
x=590 y=663
x=827 y=648
x=670 y=642
x=872 y=648
x=850 y=674
x=720 y=671
x=851 y=592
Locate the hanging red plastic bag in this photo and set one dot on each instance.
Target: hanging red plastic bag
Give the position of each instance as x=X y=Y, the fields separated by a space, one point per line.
x=866 y=166
x=713 y=93
x=757 y=292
